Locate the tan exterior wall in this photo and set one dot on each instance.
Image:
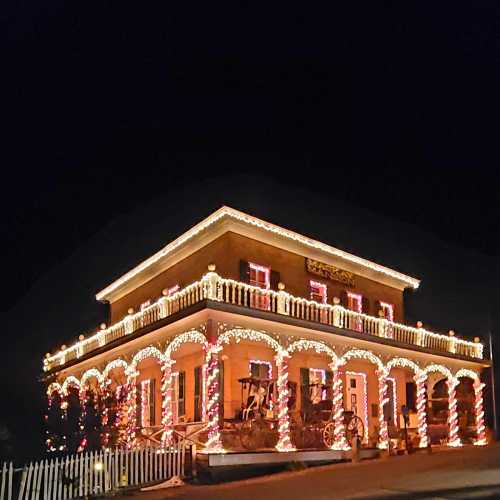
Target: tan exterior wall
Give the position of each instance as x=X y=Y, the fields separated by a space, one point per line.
x=227 y=251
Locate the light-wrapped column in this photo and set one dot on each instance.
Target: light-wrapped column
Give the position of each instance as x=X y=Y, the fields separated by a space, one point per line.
x=167 y=420
x=284 y=443
x=479 y=411
x=383 y=433
x=214 y=443
x=453 y=438
x=340 y=441
x=420 y=379
x=132 y=408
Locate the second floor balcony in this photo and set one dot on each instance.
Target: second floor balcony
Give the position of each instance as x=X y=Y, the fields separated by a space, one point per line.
x=213 y=289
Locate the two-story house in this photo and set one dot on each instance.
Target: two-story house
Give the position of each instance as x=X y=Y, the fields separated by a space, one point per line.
x=248 y=335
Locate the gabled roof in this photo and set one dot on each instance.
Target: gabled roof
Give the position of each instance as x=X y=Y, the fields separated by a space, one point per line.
x=228 y=219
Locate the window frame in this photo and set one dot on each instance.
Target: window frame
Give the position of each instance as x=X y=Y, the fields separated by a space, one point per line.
x=320 y=286
x=386 y=306
x=351 y=296
x=259 y=268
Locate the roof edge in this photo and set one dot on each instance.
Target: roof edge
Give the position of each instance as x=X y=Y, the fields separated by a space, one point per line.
x=226 y=211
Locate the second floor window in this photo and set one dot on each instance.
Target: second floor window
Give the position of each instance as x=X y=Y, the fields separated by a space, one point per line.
x=355 y=302
x=259 y=275
x=318 y=292
x=388 y=310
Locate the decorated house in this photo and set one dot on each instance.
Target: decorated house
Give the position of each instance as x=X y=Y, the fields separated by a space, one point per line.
x=244 y=335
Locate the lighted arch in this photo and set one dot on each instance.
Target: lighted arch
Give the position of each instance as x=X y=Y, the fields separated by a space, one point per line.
x=70 y=381
x=147 y=352
x=464 y=372
x=54 y=387
x=439 y=368
x=116 y=363
x=403 y=363
x=93 y=372
x=362 y=354
x=192 y=336
x=248 y=334
x=319 y=347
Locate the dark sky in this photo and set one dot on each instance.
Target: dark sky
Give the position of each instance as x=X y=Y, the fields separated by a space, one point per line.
x=371 y=126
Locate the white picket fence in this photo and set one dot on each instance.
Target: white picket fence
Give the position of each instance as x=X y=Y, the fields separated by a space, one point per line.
x=91 y=473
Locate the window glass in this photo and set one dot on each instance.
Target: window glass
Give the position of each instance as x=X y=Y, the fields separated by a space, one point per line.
x=388 y=310
x=318 y=292
x=259 y=275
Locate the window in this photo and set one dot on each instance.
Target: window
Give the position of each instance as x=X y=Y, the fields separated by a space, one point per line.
x=388 y=310
x=260 y=369
x=198 y=388
x=317 y=385
x=147 y=398
x=318 y=291
x=178 y=396
x=172 y=290
x=355 y=303
x=260 y=276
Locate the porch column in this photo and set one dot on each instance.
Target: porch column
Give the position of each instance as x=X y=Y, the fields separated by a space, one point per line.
x=167 y=421
x=284 y=443
x=453 y=438
x=383 y=434
x=420 y=379
x=479 y=412
x=340 y=441
x=131 y=408
x=214 y=443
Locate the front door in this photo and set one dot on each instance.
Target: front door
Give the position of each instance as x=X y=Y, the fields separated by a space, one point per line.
x=356 y=396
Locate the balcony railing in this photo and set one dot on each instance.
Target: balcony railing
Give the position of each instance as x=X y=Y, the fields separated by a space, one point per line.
x=214 y=287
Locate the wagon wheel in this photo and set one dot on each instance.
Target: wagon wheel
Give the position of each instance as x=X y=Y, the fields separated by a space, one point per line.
x=355 y=429
x=329 y=434
x=250 y=435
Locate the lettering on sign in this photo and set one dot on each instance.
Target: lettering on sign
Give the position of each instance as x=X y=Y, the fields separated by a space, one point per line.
x=330 y=272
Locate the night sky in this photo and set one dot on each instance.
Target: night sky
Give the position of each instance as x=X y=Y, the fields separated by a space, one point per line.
x=371 y=127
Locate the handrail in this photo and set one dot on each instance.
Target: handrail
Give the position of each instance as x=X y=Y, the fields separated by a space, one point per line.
x=229 y=291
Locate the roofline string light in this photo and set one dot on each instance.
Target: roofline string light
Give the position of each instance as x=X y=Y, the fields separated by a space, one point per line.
x=267 y=226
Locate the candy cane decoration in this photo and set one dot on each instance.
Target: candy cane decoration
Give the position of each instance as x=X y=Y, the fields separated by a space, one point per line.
x=167 y=421
x=479 y=411
x=131 y=408
x=340 y=441
x=284 y=443
x=420 y=379
x=383 y=436
x=453 y=439
x=214 y=443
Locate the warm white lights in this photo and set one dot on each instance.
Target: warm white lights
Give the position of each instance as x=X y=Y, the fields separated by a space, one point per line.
x=271 y=228
x=211 y=286
x=214 y=445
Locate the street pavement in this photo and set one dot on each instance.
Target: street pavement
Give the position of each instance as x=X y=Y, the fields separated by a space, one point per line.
x=471 y=472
